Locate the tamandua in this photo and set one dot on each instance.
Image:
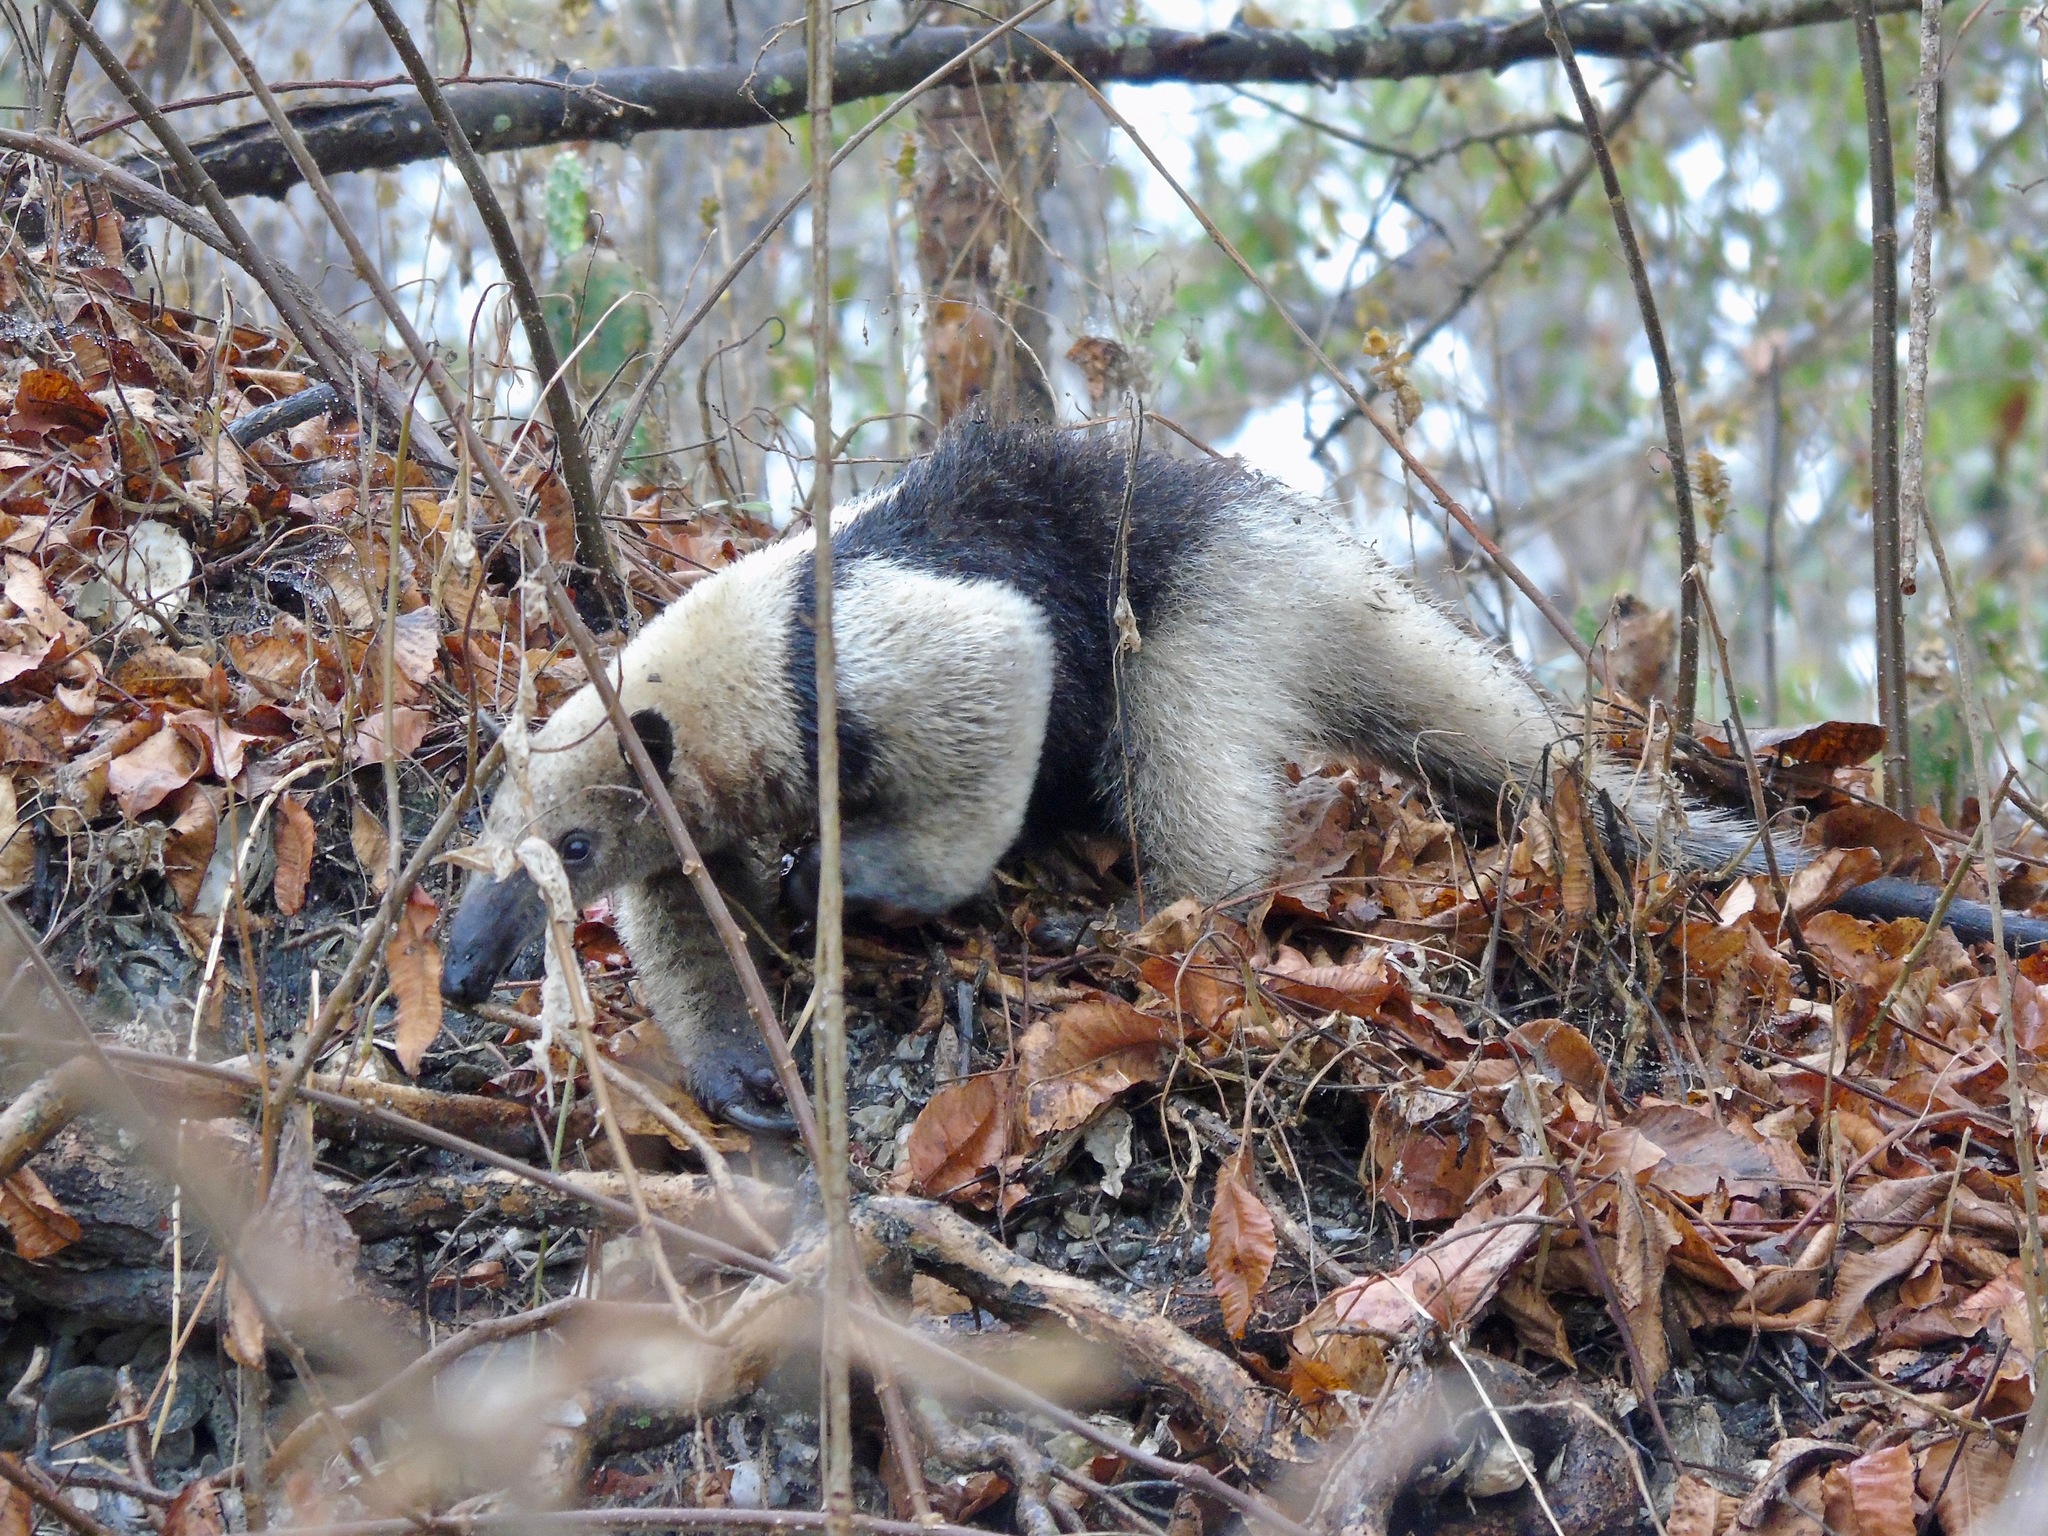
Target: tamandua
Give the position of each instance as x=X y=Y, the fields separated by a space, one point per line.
x=1037 y=630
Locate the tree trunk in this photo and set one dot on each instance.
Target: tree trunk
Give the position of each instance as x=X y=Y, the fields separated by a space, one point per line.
x=986 y=153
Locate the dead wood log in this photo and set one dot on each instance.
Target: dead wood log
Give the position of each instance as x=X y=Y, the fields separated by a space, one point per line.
x=1245 y=1418
x=41 y=1110
x=1431 y=1457
x=438 y=1202
x=501 y=1125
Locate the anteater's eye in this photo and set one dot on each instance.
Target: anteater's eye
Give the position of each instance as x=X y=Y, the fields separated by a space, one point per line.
x=577 y=847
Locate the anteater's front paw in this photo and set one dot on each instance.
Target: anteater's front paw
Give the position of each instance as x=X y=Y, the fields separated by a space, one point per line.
x=736 y=1083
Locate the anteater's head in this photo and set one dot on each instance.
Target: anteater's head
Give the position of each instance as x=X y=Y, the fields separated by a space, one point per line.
x=584 y=801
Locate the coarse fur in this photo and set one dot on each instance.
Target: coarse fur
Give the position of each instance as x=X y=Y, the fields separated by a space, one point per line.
x=989 y=685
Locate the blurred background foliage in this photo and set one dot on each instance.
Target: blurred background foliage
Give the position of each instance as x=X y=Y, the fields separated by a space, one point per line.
x=1370 y=209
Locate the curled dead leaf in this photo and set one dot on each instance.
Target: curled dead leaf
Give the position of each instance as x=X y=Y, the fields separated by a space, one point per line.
x=960 y=1137
x=294 y=838
x=1241 y=1242
x=414 y=964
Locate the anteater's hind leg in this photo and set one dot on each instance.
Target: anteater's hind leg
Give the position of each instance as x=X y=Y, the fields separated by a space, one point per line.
x=1206 y=732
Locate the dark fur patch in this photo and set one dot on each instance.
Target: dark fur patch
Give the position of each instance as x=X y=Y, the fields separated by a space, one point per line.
x=658 y=737
x=1037 y=509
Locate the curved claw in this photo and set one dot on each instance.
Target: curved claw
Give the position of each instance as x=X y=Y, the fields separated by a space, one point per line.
x=741 y=1089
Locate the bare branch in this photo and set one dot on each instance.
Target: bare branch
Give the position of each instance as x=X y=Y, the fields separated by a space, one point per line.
x=618 y=104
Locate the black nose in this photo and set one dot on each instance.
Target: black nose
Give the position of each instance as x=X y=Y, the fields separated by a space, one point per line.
x=495 y=921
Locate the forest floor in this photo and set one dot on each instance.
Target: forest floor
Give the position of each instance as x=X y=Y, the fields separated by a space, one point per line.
x=1714 y=1194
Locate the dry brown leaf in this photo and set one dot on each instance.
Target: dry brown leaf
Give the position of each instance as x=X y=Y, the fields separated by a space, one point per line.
x=295 y=838
x=1073 y=1062
x=409 y=728
x=1201 y=991
x=960 y=1136
x=1428 y=1155
x=142 y=779
x=1563 y=1051
x=1861 y=1273
x=1696 y=1509
x=1643 y=1240
x=1872 y=1495
x=1699 y=1156
x=47 y=401
x=1974 y=1488
x=17 y=842
x=1454 y=1277
x=195 y=1511
x=414 y=965
x=273 y=662
x=372 y=845
x=1575 y=883
x=1241 y=1243
x=1823 y=882
x=225 y=746
x=17 y=1512
x=1832 y=744
x=188 y=851
x=39 y=1226
x=246 y=1338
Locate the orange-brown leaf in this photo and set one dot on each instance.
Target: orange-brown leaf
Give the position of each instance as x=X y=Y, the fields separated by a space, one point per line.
x=1428 y=1155
x=960 y=1136
x=1080 y=1058
x=294 y=837
x=1241 y=1246
x=414 y=964
x=1695 y=1509
x=143 y=779
x=1874 y=1492
x=1974 y=1488
x=49 y=401
x=39 y=1226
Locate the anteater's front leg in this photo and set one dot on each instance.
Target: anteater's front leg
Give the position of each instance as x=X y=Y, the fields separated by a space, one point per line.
x=695 y=994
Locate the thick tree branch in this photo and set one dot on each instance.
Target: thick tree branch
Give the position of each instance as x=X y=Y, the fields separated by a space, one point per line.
x=617 y=104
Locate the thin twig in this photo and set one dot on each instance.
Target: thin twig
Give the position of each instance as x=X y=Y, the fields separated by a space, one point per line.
x=1922 y=294
x=1685 y=693
x=1886 y=574
x=828 y=1041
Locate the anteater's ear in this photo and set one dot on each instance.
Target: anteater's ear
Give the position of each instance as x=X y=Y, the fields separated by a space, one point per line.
x=658 y=737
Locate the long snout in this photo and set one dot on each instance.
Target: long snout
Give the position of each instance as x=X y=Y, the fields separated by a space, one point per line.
x=495 y=920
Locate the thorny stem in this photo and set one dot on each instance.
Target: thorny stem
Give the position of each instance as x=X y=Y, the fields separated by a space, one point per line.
x=828 y=1041
x=593 y=547
x=1685 y=695
x=1886 y=573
